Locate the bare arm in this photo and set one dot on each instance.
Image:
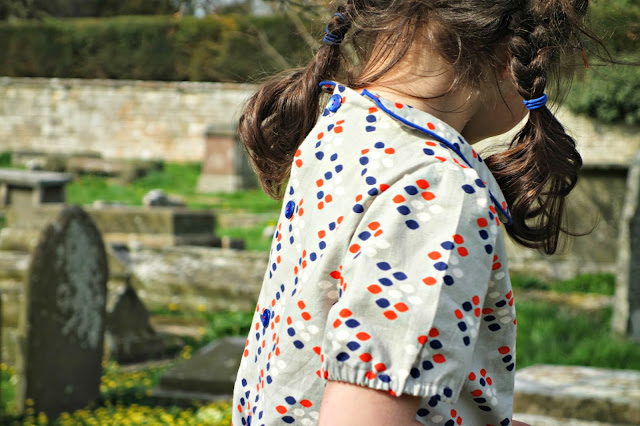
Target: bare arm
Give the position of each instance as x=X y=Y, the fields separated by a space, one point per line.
x=347 y=404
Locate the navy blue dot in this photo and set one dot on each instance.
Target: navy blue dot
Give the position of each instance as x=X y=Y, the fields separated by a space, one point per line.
x=244 y=382
x=423 y=412
x=428 y=151
x=448 y=392
x=505 y=422
x=384 y=378
x=467 y=306
x=363 y=172
x=450 y=423
x=484 y=234
x=334 y=157
x=313 y=256
x=318 y=144
x=291 y=332
x=468 y=189
x=352 y=323
x=501 y=303
x=328 y=175
x=400 y=276
x=370 y=129
x=412 y=224
x=290 y=400
x=291 y=190
x=494 y=327
x=507 y=358
x=484 y=408
x=415 y=373
x=404 y=210
x=479 y=400
x=447 y=245
x=480 y=183
x=322 y=245
x=510 y=367
x=319 y=155
x=383 y=265
x=290 y=241
x=364 y=160
x=330 y=126
x=371 y=118
x=435 y=344
x=371 y=180
x=279 y=247
x=342 y=356
x=411 y=190
x=482 y=382
x=466 y=340
x=298 y=344
x=489 y=318
x=364 y=236
x=379 y=145
x=320 y=195
x=332 y=226
x=288 y=419
x=441 y=266
x=358 y=208
x=383 y=303
x=385 y=282
x=427 y=365
x=373 y=191
x=488 y=248
x=462 y=326
x=339 y=168
x=353 y=345
x=448 y=280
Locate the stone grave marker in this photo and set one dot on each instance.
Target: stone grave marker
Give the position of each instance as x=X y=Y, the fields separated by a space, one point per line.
x=63 y=321
x=626 y=311
x=130 y=336
x=209 y=375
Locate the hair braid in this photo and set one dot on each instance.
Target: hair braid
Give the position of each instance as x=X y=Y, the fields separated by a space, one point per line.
x=541 y=166
x=282 y=112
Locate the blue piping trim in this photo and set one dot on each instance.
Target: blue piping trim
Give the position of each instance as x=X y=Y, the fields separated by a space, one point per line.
x=377 y=101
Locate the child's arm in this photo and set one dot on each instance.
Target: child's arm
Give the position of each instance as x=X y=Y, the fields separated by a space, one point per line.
x=352 y=405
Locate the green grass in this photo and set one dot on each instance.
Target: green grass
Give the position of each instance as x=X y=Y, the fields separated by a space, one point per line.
x=603 y=283
x=552 y=334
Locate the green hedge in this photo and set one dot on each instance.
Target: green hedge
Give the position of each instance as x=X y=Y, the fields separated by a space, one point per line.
x=218 y=48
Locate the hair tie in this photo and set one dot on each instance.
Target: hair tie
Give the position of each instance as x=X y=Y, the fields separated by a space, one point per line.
x=333 y=38
x=535 y=103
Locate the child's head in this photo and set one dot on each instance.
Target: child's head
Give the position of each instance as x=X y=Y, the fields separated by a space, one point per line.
x=479 y=42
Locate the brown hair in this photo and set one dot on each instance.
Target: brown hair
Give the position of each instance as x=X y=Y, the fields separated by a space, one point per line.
x=541 y=165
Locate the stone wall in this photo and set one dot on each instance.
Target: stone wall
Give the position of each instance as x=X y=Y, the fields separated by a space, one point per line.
x=119 y=119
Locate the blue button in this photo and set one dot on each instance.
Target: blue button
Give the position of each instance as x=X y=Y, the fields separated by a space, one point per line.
x=335 y=102
x=288 y=211
x=266 y=316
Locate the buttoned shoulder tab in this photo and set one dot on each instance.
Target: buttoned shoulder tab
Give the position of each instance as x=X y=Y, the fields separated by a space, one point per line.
x=448 y=137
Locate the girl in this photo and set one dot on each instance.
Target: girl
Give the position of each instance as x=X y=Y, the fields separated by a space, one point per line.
x=387 y=299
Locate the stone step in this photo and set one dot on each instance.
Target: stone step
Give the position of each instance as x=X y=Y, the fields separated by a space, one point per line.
x=580 y=393
x=538 y=420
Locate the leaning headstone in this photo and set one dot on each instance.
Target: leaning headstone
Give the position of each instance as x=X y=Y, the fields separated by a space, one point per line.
x=626 y=311
x=63 y=321
x=582 y=393
x=208 y=376
x=130 y=337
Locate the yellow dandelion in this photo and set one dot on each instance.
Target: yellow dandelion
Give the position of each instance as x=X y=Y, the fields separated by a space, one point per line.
x=173 y=307
x=201 y=308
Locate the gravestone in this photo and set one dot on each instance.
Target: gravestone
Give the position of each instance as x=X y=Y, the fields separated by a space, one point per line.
x=28 y=188
x=62 y=323
x=626 y=312
x=130 y=337
x=225 y=167
x=208 y=376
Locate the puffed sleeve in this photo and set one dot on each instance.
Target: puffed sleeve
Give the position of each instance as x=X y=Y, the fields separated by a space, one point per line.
x=413 y=283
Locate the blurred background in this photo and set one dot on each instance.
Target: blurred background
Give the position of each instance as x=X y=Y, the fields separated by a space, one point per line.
x=128 y=109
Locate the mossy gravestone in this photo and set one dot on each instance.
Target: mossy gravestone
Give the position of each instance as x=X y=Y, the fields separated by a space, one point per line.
x=63 y=321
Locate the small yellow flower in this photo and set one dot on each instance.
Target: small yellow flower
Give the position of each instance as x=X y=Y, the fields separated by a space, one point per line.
x=173 y=307
x=201 y=308
x=3 y=366
x=29 y=402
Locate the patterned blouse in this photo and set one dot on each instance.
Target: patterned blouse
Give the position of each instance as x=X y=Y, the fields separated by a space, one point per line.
x=387 y=270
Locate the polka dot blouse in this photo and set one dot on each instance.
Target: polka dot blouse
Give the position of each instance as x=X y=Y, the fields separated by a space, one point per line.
x=387 y=270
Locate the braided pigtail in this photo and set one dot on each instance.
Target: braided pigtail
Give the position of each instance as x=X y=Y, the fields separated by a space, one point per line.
x=284 y=110
x=541 y=166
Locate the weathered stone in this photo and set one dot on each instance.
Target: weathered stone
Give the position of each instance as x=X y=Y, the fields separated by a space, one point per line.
x=158 y=198
x=147 y=227
x=27 y=188
x=626 y=312
x=198 y=278
x=130 y=337
x=583 y=393
x=62 y=323
x=225 y=167
x=208 y=375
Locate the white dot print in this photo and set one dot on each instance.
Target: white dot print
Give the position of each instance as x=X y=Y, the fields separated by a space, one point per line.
x=418 y=205
x=339 y=190
x=395 y=294
x=437 y=419
x=500 y=275
x=458 y=273
x=424 y=217
x=382 y=244
x=324 y=284
x=370 y=251
x=387 y=162
x=436 y=209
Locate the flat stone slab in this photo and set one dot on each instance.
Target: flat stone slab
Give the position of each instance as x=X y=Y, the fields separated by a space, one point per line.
x=581 y=393
x=33 y=178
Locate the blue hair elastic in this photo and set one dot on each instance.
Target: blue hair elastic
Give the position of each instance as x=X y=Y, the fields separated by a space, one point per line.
x=331 y=38
x=535 y=103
